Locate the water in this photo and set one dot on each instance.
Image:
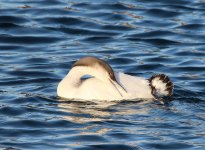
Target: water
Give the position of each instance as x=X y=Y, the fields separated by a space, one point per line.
x=40 y=40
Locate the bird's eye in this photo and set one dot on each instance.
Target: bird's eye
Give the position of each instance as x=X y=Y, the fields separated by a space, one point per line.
x=85 y=77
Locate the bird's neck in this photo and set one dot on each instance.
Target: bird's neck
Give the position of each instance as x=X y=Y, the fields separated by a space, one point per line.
x=76 y=73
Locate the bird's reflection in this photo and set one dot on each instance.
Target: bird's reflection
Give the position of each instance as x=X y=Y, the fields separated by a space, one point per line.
x=83 y=112
x=94 y=117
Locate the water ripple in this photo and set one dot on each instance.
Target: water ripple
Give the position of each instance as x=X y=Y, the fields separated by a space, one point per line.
x=39 y=42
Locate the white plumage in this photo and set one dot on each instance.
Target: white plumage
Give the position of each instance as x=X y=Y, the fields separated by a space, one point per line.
x=105 y=84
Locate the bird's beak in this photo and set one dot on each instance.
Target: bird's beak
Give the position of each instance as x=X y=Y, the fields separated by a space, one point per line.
x=119 y=87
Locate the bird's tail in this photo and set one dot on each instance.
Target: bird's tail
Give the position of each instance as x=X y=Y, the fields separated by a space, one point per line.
x=161 y=86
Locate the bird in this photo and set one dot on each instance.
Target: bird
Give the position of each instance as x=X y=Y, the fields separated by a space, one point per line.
x=91 y=78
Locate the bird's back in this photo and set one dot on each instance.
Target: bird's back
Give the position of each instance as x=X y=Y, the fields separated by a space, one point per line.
x=136 y=87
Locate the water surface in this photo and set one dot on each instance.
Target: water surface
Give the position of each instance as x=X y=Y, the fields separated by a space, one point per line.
x=40 y=40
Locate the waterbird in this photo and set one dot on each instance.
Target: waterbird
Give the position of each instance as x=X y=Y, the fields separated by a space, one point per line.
x=91 y=78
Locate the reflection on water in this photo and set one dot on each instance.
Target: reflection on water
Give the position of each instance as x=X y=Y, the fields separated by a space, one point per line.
x=88 y=112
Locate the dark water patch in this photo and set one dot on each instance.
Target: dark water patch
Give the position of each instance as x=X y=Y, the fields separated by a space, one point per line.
x=90 y=138
x=22 y=3
x=8 y=25
x=48 y=2
x=122 y=61
x=193 y=27
x=78 y=31
x=116 y=27
x=8 y=132
x=181 y=8
x=10 y=111
x=173 y=145
x=160 y=59
x=156 y=24
x=68 y=21
x=28 y=123
x=191 y=62
x=168 y=125
x=39 y=124
x=176 y=2
x=98 y=39
x=27 y=81
x=10 y=47
x=29 y=145
x=108 y=51
x=118 y=123
x=162 y=13
x=119 y=6
x=155 y=41
x=25 y=31
x=45 y=12
x=27 y=99
x=113 y=17
x=146 y=67
x=110 y=6
x=27 y=39
x=199 y=83
x=199 y=5
x=161 y=42
x=190 y=53
x=109 y=146
x=38 y=60
x=27 y=73
x=121 y=135
x=13 y=19
x=153 y=34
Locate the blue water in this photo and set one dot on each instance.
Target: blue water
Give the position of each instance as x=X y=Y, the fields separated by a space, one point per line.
x=41 y=39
